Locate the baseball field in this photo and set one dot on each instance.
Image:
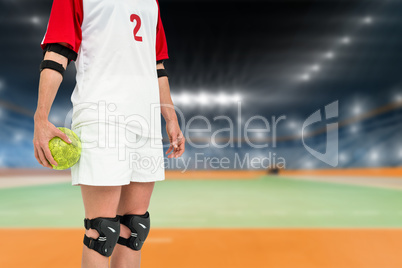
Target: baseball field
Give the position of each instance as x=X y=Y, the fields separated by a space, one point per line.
x=220 y=219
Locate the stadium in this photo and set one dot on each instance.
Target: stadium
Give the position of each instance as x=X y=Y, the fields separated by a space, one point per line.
x=292 y=114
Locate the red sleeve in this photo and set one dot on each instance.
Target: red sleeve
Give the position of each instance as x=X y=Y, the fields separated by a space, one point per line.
x=65 y=24
x=161 y=45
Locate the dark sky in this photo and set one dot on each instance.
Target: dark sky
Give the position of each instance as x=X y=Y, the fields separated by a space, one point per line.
x=263 y=50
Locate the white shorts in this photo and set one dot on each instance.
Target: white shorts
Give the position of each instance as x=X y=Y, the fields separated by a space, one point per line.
x=113 y=156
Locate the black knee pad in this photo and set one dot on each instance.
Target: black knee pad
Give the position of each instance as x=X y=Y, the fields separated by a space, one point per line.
x=109 y=231
x=139 y=226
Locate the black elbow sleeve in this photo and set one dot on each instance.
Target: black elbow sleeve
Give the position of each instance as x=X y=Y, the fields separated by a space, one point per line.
x=162 y=72
x=50 y=64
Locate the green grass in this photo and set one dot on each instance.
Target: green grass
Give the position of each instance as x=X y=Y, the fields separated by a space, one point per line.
x=265 y=202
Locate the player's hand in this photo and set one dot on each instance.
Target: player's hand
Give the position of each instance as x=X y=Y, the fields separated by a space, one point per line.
x=43 y=133
x=176 y=138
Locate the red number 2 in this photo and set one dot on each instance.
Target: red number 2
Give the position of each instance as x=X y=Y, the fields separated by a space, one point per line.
x=137 y=27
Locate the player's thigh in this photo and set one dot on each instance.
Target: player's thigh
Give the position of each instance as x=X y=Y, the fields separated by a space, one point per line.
x=135 y=198
x=100 y=201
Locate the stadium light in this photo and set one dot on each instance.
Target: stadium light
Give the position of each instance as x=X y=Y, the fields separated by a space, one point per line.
x=374 y=156
x=18 y=137
x=202 y=98
x=357 y=110
x=368 y=20
x=329 y=55
x=184 y=98
x=354 y=129
x=308 y=165
x=222 y=99
x=345 y=40
x=292 y=125
x=316 y=68
x=343 y=157
x=260 y=134
x=236 y=98
x=35 y=20
x=205 y=98
x=305 y=77
x=398 y=97
x=55 y=118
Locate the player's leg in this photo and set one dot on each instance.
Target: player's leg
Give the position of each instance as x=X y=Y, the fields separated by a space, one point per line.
x=134 y=200
x=100 y=202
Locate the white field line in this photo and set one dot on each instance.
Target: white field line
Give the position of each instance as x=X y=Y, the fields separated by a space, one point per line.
x=230 y=213
x=183 y=220
x=50 y=212
x=320 y=212
x=377 y=182
x=275 y=213
x=367 y=213
x=10 y=182
x=315 y=213
x=287 y=213
x=43 y=213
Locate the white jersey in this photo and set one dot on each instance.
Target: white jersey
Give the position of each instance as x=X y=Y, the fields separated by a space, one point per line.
x=118 y=44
